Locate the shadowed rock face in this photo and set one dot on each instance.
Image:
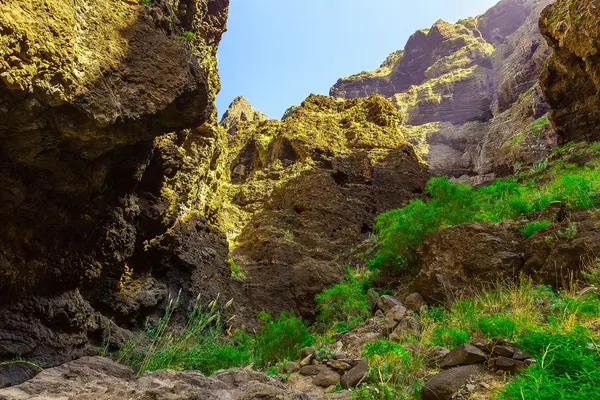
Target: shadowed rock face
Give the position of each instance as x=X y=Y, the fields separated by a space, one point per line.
x=88 y=168
x=240 y=110
x=571 y=82
x=467 y=92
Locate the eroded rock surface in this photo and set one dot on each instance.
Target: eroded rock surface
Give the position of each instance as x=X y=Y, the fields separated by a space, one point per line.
x=105 y=140
x=571 y=81
x=240 y=110
x=305 y=190
x=468 y=93
x=98 y=377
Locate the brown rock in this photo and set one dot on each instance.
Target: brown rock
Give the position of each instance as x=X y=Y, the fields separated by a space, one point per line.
x=445 y=384
x=385 y=303
x=326 y=378
x=339 y=365
x=313 y=369
x=89 y=377
x=408 y=326
x=463 y=354
x=354 y=376
x=450 y=259
x=509 y=364
x=307 y=351
x=393 y=317
x=414 y=302
x=81 y=125
x=571 y=80
x=521 y=356
x=437 y=354
x=291 y=366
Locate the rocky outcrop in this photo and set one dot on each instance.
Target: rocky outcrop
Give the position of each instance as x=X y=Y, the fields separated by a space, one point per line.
x=106 y=141
x=305 y=191
x=93 y=377
x=466 y=258
x=454 y=261
x=571 y=81
x=240 y=110
x=467 y=92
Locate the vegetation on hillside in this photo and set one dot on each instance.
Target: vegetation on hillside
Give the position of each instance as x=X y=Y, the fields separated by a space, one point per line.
x=399 y=232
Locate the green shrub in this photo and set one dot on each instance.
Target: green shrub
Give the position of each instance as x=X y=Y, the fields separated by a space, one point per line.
x=392 y=372
x=344 y=305
x=568 y=366
x=534 y=226
x=498 y=325
x=399 y=232
x=449 y=337
x=280 y=339
x=187 y=35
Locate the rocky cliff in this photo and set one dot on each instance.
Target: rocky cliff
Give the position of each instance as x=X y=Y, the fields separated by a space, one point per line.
x=468 y=93
x=106 y=138
x=240 y=110
x=304 y=192
x=571 y=81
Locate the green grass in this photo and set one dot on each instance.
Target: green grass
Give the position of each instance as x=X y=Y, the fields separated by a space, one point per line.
x=399 y=232
x=203 y=345
x=344 y=305
x=532 y=227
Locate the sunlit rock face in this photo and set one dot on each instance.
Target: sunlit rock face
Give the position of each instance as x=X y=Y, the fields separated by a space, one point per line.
x=468 y=92
x=240 y=110
x=571 y=82
x=304 y=193
x=104 y=112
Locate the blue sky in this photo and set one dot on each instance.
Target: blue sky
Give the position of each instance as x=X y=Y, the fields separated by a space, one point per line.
x=277 y=52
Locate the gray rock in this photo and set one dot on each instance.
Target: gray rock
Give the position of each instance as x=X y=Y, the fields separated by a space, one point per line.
x=509 y=364
x=463 y=354
x=521 y=355
x=393 y=317
x=312 y=370
x=15 y=373
x=354 y=376
x=326 y=378
x=437 y=354
x=385 y=303
x=444 y=385
x=414 y=302
x=339 y=365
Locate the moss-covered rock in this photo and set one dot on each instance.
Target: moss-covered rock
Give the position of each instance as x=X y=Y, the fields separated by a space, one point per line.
x=105 y=131
x=240 y=110
x=571 y=80
x=305 y=191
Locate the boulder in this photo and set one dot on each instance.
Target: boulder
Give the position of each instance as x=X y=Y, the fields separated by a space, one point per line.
x=509 y=364
x=462 y=259
x=313 y=369
x=414 y=302
x=354 y=376
x=291 y=366
x=386 y=302
x=444 y=385
x=408 y=326
x=90 y=377
x=436 y=354
x=339 y=365
x=393 y=317
x=463 y=354
x=327 y=377
x=14 y=373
